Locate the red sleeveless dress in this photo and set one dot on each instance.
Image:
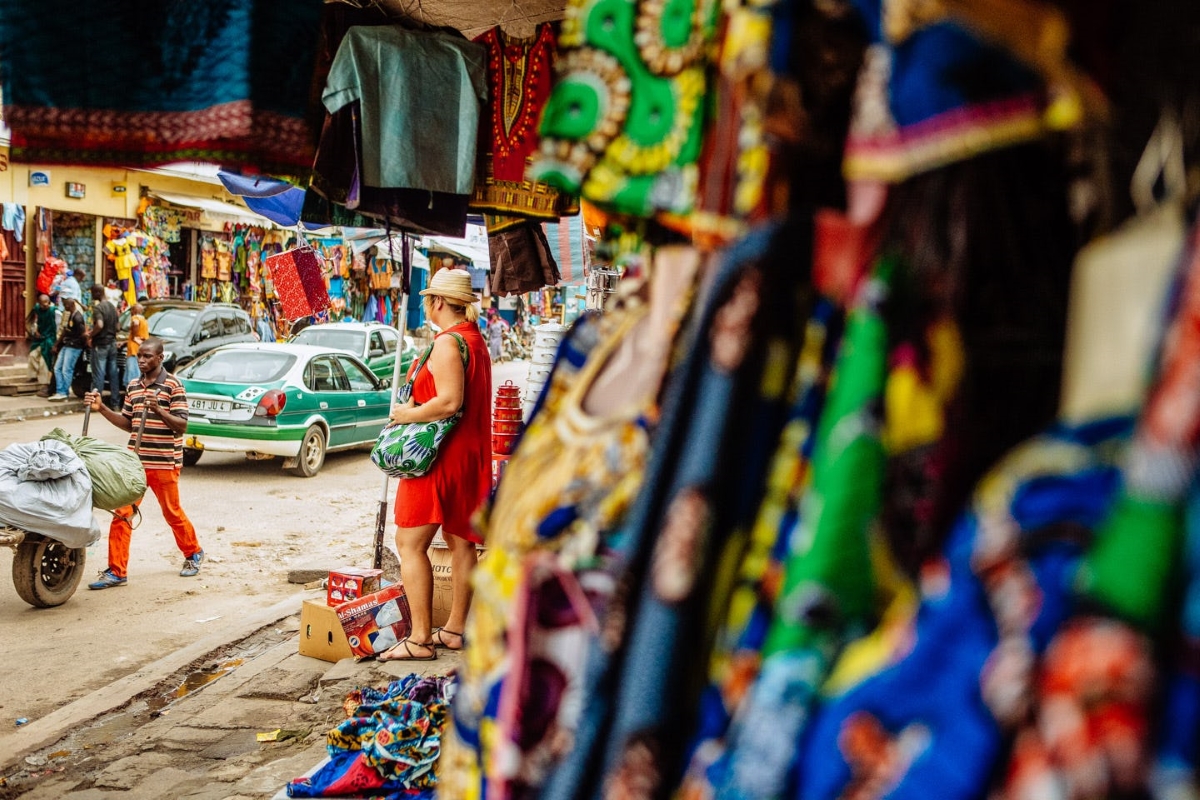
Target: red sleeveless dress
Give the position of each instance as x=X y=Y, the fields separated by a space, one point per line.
x=461 y=477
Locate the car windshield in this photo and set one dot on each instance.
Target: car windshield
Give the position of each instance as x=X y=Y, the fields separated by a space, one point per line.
x=350 y=341
x=240 y=366
x=173 y=322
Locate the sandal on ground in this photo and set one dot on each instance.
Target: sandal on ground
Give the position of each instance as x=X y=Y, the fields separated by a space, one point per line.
x=438 y=641
x=408 y=654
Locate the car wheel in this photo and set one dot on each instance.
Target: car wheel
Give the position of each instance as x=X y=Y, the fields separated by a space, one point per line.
x=191 y=456
x=312 y=453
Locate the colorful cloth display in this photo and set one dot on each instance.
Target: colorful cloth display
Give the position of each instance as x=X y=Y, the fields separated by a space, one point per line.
x=623 y=123
x=189 y=87
x=518 y=74
x=939 y=94
x=388 y=747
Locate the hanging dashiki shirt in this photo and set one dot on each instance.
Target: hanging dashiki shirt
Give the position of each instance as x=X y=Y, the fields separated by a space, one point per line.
x=623 y=123
x=519 y=82
x=190 y=88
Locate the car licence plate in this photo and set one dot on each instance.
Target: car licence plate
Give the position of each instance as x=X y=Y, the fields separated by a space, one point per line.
x=196 y=404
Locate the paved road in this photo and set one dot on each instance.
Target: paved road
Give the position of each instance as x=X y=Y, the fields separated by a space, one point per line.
x=254 y=521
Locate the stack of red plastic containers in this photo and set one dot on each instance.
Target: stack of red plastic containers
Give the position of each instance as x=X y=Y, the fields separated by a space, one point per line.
x=506 y=426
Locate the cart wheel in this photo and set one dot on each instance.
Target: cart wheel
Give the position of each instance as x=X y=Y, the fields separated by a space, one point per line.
x=45 y=572
x=191 y=456
x=312 y=453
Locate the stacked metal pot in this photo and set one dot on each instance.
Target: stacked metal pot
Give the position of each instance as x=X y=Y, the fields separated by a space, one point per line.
x=506 y=426
x=546 y=339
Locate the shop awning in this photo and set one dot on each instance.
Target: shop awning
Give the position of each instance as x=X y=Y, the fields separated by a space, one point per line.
x=276 y=200
x=217 y=210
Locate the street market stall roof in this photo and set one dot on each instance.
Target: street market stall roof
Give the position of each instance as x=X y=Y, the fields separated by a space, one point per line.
x=473 y=17
x=217 y=208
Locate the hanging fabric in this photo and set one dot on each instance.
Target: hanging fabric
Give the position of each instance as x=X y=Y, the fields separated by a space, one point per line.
x=410 y=86
x=623 y=123
x=518 y=74
x=299 y=282
x=190 y=87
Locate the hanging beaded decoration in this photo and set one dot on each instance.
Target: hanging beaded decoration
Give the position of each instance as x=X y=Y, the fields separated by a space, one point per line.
x=623 y=123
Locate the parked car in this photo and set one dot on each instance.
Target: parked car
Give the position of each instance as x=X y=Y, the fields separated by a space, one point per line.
x=372 y=342
x=290 y=400
x=190 y=329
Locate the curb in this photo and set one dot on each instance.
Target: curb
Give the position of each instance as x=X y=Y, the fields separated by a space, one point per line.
x=42 y=410
x=49 y=729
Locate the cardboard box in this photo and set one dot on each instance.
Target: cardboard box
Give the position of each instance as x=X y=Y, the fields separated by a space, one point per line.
x=351 y=583
x=321 y=634
x=443 y=592
x=377 y=621
x=443 y=587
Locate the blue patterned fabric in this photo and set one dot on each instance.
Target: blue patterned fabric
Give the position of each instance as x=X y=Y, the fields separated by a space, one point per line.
x=725 y=407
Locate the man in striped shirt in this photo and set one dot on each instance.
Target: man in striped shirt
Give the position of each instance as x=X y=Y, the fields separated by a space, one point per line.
x=155 y=413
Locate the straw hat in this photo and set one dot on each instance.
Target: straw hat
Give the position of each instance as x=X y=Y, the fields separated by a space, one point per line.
x=452 y=284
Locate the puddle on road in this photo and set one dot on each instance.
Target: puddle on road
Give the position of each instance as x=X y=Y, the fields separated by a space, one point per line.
x=90 y=741
x=196 y=680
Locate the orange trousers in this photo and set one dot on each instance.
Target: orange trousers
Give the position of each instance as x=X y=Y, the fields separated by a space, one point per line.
x=165 y=485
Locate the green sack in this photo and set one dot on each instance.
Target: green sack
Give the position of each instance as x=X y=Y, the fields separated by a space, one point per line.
x=118 y=478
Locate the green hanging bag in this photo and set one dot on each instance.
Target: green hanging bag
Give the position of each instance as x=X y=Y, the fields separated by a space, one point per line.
x=408 y=449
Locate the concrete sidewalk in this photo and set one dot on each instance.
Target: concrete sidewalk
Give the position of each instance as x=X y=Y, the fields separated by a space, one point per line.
x=23 y=407
x=204 y=745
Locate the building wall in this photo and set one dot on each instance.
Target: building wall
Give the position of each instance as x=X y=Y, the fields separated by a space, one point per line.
x=101 y=199
x=73 y=239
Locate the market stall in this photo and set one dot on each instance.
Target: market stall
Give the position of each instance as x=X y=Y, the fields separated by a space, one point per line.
x=876 y=477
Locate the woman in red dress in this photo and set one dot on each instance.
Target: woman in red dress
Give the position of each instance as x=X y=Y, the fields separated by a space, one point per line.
x=461 y=475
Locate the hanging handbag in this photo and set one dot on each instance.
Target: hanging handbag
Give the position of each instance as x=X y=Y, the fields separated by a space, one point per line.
x=408 y=449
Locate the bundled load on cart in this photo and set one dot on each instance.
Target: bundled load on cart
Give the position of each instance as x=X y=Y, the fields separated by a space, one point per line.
x=48 y=490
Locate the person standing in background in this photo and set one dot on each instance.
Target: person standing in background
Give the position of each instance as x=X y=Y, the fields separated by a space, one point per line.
x=71 y=341
x=139 y=331
x=103 y=338
x=43 y=329
x=70 y=286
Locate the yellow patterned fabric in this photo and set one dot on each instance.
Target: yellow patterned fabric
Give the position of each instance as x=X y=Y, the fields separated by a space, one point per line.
x=568 y=485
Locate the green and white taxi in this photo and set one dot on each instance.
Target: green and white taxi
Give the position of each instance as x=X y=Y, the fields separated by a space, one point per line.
x=289 y=400
x=374 y=343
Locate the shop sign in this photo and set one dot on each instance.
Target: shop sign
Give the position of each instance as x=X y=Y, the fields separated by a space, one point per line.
x=119 y=189
x=76 y=190
x=39 y=177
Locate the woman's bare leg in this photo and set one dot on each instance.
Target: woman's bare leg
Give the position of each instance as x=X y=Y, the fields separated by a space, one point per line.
x=463 y=559
x=416 y=572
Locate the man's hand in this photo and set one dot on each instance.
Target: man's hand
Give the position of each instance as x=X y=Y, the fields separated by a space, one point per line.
x=152 y=405
x=93 y=400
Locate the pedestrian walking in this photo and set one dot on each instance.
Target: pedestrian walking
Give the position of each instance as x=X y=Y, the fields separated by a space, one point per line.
x=71 y=341
x=496 y=338
x=103 y=338
x=139 y=331
x=155 y=413
x=461 y=476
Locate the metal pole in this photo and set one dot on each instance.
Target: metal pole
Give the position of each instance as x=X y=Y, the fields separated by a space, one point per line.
x=381 y=515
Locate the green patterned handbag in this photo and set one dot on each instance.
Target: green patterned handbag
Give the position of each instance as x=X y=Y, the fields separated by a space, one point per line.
x=407 y=450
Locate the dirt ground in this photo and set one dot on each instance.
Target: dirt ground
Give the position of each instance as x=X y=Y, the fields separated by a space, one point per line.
x=254 y=521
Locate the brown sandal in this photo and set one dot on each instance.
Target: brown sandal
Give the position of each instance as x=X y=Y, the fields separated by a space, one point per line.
x=438 y=641
x=409 y=656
